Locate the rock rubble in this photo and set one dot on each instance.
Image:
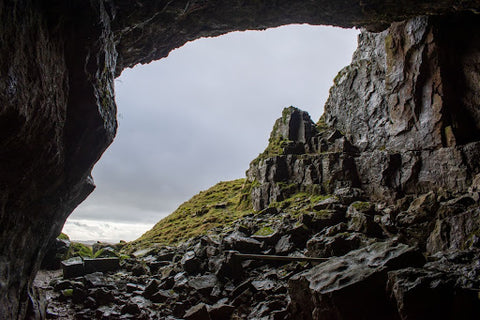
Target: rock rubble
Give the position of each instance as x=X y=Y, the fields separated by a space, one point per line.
x=371 y=271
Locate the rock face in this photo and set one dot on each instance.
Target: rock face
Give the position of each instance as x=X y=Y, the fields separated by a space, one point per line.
x=399 y=103
x=256 y=269
x=300 y=158
x=391 y=122
x=57 y=117
x=58 y=61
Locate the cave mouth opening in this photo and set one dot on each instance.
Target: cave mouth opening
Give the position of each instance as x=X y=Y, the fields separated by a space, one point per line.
x=200 y=116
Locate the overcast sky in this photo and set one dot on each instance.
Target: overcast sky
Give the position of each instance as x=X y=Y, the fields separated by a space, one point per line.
x=200 y=116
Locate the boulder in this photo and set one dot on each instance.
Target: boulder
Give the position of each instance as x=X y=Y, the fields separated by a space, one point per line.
x=73 y=268
x=457 y=232
x=240 y=242
x=446 y=288
x=101 y=265
x=56 y=252
x=197 y=312
x=351 y=286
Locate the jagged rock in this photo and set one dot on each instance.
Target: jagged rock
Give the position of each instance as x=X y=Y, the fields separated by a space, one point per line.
x=361 y=219
x=422 y=294
x=198 y=312
x=330 y=203
x=285 y=245
x=229 y=267
x=102 y=296
x=151 y=288
x=140 y=269
x=190 y=263
x=443 y=289
x=240 y=242
x=57 y=125
x=331 y=289
x=348 y=195
x=101 y=264
x=321 y=246
x=56 y=252
x=163 y=295
x=456 y=232
x=130 y=308
x=220 y=311
x=327 y=218
x=96 y=279
x=203 y=284
x=73 y=268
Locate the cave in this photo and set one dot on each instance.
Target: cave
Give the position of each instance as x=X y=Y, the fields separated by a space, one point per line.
x=58 y=115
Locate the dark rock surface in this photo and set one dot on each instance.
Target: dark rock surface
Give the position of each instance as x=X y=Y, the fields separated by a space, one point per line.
x=59 y=59
x=365 y=275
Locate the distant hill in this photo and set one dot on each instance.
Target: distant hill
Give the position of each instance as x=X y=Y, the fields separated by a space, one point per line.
x=218 y=206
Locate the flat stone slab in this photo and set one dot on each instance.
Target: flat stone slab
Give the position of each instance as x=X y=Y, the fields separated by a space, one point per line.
x=101 y=265
x=73 y=268
x=76 y=267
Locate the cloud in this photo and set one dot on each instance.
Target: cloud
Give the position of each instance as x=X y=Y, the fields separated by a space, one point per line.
x=108 y=231
x=202 y=114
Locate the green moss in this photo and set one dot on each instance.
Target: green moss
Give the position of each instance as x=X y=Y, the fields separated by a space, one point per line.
x=102 y=253
x=264 y=231
x=322 y=124
x=300 y=202
x=276 y=143
x=470 y=239
x=79 y=250
x=321 y=197
x=67 y=292
x=362 y=206
x=219 y=206
x=63 y=236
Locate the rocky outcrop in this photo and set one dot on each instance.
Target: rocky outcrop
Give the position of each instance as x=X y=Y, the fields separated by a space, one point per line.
x=57 y=117
x=390 y=125
x=59 y=58
x=266 y=266
x=398 y=103
x=300 y=157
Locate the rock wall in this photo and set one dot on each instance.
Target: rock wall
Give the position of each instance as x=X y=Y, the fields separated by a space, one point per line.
x=397 y=121
x=400 y=128
x=57 y=64
x=57 y=116
x=402 y=99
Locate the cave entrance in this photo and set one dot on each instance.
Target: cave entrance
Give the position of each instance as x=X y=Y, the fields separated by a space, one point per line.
x=199 y=117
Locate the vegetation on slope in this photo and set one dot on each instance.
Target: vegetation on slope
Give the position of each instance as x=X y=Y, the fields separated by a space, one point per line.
x=218 y=206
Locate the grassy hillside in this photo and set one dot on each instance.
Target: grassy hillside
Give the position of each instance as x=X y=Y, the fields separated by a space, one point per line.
x=216 y=207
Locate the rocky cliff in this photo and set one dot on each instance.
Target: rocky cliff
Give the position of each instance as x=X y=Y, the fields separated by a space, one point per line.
x=59 y=58
x=396 y=121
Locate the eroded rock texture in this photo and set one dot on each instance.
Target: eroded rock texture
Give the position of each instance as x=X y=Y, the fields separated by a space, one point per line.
x=401 y=99
x=58 y=60
x=57 y=117
x=396 y=121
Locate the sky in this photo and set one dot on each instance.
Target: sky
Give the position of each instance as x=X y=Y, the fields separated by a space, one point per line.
x=200 y=116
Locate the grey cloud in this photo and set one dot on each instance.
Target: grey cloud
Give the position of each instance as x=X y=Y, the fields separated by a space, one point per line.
x=202 y=114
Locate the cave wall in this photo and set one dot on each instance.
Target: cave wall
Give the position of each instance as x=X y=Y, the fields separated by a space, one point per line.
x=57 y=64
x=57 y=116
x=408 y=102
x=405 y=113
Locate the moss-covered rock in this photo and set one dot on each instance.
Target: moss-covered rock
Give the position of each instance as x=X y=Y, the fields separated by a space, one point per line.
x=218 y=206
x=79 y=250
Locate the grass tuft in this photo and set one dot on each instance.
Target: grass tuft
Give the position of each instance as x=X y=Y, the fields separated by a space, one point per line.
x=218 y=206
